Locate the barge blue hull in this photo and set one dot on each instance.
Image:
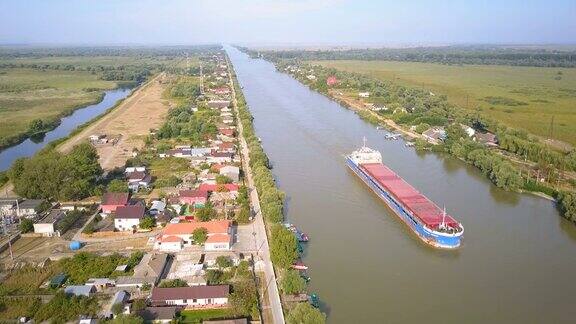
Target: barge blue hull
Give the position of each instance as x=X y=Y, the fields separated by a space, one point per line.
x=431 y=238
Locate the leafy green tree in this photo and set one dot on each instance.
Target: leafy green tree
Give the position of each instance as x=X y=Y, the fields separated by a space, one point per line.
x=304 y=313
x=223 y=262
x=206 y=213
x=138 y=304
x=117 y=185
x=567 y=205
x=36 y=125
x=292 y=282
x=117 y=308
x=200 y=235
x=26 y=225
x=127 y=319
x=283 y=247
x=214 y=276
x=222 y=179
x=147 y=222
x=243 y=216
x=244 y=300
x=173 y=283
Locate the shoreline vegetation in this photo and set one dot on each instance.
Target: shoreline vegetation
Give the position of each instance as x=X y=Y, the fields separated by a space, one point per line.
x=519 y=162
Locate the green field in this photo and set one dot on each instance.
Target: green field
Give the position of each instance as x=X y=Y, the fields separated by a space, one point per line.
x=197 y=316
x=28 y=94
x=521 y=97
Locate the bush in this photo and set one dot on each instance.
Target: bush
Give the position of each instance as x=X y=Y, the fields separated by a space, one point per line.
x=26 y=225
x=292 y=283
x=200 y=235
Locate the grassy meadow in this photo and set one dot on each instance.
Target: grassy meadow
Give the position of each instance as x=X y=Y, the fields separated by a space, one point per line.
x=28 y=94
x=521 y=97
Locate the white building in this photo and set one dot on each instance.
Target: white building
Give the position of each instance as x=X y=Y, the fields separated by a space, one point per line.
x=196 y=296
x=363 y=94
x=128 y=218
x=48 y=226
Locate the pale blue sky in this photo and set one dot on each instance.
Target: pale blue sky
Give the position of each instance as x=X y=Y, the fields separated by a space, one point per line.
x=287 y=22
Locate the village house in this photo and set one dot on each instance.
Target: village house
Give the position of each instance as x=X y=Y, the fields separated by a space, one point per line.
x=48 y=226
x=186 y=152
x=226 y=147
x=218 y=104
x=149 y=271
x=220 y=157
x=29 y=208
x=175 y=237
x=157 y=207
x=128 y=218
x=434 y=135
x=224 y=201
x=138 y=179
x=100 y=283
x=80 y=290
x=232 y=172
x=193 y=297
x=222 y=91
x=113 y=200
x=469 y=130
x=120 y=297
x=196 y=198
x=8 y=205
x=229 y=187
x=163 y=315
x=227 y=132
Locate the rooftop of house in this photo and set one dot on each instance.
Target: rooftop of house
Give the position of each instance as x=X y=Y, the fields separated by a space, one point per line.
x=213 y=227
x=194 y=292
x=222 y=154
x=115 y=198
x=230 y=168
x=218 y=238
x=136 y=175
x=53 y=216
x=151 y=265
x=80 y=290
x=30 y=203
x=193 y=193
x=151 y=314
x=130 y=212
x=218 y=187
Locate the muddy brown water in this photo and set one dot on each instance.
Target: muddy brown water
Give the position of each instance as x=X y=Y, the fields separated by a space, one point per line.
x=518 y=259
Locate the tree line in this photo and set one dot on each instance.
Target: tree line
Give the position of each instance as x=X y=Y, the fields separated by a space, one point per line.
x=452 y=55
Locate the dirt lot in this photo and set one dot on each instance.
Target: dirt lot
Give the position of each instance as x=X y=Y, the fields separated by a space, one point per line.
x=143 y=110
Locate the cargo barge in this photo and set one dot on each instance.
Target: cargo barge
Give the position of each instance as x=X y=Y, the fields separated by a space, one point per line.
x=423 y=217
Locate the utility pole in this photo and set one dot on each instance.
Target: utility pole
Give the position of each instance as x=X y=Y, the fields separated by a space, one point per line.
x=551 y=127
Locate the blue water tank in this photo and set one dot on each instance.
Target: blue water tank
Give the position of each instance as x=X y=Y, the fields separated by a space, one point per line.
x=75 y=245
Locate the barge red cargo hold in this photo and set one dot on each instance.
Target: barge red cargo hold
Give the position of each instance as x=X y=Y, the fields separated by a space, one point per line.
x=420 y=206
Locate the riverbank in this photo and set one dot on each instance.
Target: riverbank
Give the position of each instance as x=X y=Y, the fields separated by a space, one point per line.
x=129 y=122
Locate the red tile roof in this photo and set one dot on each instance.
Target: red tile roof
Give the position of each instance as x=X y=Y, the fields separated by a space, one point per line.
x=193 y=193
x=195 y=292
x=213 y=227
x=218 y=238
x=218 y=187
x=115 y=198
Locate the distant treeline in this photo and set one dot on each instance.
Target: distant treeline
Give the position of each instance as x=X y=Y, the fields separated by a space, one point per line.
x=135 y=51
x=496 y=55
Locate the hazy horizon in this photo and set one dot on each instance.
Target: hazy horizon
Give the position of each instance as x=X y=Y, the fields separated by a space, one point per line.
x=287 y=23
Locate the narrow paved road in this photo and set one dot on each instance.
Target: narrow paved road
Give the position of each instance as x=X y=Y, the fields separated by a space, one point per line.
x=260 y=236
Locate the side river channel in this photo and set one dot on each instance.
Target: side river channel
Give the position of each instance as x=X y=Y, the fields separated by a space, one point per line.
x=67 y=125
x=518 y=259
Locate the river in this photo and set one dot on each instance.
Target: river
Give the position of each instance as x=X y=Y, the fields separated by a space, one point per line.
x=67 y=125
x=518 y=256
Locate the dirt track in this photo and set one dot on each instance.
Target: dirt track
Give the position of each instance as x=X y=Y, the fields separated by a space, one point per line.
x=131 y=121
